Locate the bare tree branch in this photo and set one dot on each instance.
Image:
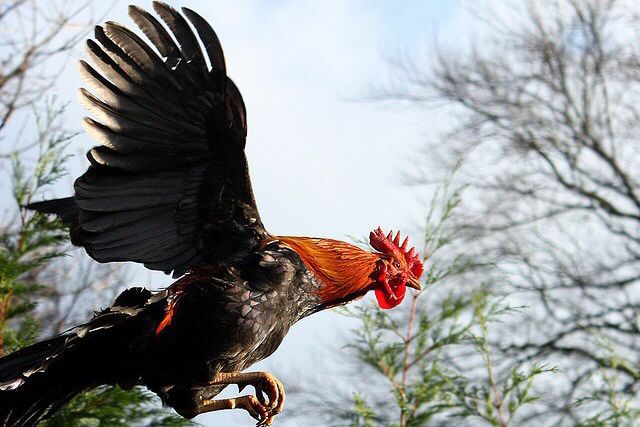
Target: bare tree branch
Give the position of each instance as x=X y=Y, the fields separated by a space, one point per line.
x=547 y=123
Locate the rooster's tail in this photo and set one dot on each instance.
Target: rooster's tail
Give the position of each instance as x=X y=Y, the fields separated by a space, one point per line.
x=37 y=380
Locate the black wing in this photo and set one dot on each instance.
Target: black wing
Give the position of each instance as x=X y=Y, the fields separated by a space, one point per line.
x=169 y=186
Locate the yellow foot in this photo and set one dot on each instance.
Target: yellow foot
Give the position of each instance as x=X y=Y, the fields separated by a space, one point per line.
x=248 y=403
x=269 y=399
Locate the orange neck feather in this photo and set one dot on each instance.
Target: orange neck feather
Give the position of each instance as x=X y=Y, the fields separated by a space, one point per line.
x=343 y=268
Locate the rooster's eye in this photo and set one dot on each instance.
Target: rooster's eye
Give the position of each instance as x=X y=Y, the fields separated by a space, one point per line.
x=396 y=264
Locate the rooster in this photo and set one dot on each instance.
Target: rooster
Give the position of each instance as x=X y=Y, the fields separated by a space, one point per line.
x=169 y=187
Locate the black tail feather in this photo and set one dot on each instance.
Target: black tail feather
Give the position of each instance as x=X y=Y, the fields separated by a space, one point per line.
x=39 y=379
x=66 y=209
x=25 y=398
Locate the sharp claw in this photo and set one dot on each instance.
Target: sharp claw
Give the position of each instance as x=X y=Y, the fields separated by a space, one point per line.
x=273 y=396
x=260 y=396
x=255 y=408
x=266 y=422
x=269 y=388
x=281 y=399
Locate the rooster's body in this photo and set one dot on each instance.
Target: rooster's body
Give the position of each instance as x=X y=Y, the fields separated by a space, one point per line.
x=169 y=187
x=222 y=319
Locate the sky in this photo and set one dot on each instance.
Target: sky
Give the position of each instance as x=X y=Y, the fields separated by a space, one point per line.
x=324 y=160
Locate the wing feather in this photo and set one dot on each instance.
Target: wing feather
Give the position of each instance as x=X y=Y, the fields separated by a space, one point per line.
x=135 y=49
x=128 y=144
x=154 y=31
x=96 y=222
x=117 y=55
x=188 y=42
x=209 y=39
x=168 y=186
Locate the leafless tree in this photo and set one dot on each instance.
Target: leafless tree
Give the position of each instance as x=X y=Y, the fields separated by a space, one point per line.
x=546 y=122
x=35 y=33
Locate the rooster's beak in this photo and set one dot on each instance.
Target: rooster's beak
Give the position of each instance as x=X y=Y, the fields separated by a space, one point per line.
x=415 y=284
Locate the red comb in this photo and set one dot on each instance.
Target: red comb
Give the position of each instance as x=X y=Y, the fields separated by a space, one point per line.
x=391 y=246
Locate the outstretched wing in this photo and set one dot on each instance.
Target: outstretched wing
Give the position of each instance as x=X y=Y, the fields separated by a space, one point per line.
x=169 y=184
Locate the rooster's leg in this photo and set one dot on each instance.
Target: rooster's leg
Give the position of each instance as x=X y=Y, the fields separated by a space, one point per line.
x=264 y=383
x=249 y=403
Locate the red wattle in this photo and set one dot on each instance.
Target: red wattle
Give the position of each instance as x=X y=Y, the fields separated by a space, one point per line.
x=386 y=301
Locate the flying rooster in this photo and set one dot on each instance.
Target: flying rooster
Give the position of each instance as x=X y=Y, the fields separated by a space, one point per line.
x=169 y=187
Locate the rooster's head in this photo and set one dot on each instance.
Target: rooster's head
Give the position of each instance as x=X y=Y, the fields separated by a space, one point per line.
x=396 y=269
x=348 y=272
